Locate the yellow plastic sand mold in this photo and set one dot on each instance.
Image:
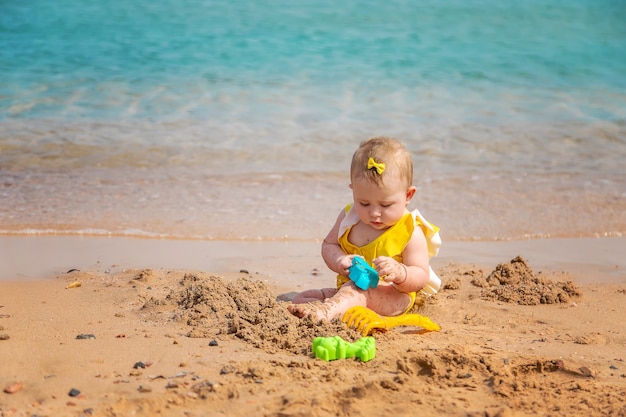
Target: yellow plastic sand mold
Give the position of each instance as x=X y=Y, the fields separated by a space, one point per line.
x=365 y=320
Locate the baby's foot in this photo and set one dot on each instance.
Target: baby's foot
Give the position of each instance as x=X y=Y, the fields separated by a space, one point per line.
x=317 y=310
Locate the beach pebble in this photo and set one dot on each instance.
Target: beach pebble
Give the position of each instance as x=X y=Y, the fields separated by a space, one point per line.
x=213 y=343
x=4 y=336
x=74 y=392
x=228 y=369
x=588 y=372
x=13 y=388
x=86 y=336
x=202 y=388
x=138 y=365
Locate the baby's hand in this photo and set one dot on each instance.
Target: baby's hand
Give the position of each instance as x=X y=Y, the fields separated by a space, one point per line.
x=389 y=269
x=343 y=265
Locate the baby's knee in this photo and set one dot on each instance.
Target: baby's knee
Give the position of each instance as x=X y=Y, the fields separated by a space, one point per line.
x=308 y=296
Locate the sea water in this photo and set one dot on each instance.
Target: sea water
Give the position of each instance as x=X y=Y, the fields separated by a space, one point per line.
x=237 y=120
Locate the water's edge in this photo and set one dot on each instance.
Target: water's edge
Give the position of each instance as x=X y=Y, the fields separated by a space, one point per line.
x=289 y=263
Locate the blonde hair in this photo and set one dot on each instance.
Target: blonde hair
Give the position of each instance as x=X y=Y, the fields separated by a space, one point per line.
x=383 y=150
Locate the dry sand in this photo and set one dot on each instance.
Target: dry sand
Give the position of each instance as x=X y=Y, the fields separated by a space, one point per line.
x=515 y=341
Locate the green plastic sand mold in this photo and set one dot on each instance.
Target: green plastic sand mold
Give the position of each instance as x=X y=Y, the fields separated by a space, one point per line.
x=334 y=347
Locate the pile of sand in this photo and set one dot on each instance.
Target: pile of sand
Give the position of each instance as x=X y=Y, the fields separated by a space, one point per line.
x=244 y=308
x=515 y=282
x=248 y=310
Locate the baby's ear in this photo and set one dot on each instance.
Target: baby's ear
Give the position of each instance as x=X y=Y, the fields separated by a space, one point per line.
x=410 y=193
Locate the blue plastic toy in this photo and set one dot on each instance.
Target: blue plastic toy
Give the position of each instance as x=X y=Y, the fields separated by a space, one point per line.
x=363 y=275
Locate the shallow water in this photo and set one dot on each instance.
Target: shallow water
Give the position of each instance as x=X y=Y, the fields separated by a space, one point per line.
x=200 y=119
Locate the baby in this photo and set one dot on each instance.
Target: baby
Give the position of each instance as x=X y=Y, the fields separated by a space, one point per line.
x=378 y=227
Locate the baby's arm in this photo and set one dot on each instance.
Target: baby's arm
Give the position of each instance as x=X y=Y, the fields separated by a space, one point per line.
x=412 y=274
x=335 y=258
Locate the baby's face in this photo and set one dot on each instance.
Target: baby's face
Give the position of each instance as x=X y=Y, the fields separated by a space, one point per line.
x=381 y=206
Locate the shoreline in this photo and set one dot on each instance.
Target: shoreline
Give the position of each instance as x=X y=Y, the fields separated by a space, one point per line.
x=289 y=263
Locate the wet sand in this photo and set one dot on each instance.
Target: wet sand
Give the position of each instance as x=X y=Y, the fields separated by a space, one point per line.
x=197 y=327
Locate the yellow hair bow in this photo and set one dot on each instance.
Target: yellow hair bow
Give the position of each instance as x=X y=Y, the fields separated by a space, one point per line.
x=380 y=167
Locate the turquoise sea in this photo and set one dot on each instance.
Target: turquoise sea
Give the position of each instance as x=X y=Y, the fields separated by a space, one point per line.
x=237 y=120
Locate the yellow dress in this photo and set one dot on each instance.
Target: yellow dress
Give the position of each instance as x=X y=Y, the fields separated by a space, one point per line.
x=392 y=243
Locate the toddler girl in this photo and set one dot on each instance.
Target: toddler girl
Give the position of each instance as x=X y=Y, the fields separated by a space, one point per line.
x=378 y=227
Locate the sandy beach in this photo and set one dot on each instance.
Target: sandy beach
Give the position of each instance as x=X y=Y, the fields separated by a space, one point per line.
x=120 y=328
x=168 y=172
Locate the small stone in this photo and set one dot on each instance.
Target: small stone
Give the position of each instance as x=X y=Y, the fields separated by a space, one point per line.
x=74 y=392
x=86 y=336
x=228 y=369
x=244 y=271
x=4 y=336
x=201 y=388
x=144 y=389
x=13 y=388
x=213 y=343
x=138 y=365
x=588 y=372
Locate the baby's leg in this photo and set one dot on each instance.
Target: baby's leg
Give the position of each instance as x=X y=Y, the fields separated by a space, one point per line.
x=310 y=296
x=387 y=301
x=334 y=307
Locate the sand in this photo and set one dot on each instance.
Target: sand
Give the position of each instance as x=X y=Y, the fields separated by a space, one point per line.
x=103 y=339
